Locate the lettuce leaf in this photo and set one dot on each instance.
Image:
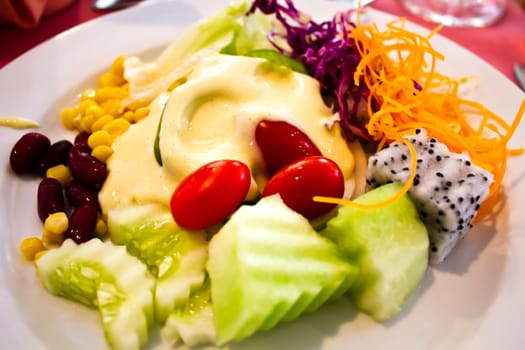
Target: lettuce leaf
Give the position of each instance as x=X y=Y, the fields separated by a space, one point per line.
x=230 y=28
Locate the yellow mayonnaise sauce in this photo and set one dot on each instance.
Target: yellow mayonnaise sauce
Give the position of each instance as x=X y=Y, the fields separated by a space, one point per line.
x=18 y=123
x=212 y=116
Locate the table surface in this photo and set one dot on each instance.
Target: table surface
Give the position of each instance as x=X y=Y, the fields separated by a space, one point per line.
x=485 y=42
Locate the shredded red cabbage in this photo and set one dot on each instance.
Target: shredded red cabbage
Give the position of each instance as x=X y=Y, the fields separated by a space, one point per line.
x=327 y=53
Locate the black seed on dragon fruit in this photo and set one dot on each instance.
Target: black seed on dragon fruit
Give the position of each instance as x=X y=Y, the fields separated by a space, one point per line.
x=447 y=187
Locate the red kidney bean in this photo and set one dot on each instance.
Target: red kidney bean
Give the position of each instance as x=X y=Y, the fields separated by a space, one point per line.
x=82 y=137
x=50 y=198
x=27 y=151
x=82 y=223
x=85 y=168
x=55 y=155
x=78 y=194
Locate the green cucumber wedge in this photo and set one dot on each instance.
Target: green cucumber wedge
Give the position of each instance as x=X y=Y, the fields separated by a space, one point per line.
x=192 y=324
x=176 y=257
x=103 y=276
x=390 y=246
x=268 y=265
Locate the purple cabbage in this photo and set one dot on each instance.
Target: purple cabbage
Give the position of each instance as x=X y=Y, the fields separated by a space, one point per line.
x=328 y=55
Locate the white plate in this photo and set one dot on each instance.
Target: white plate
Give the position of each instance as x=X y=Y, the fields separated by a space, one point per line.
x=475 y=300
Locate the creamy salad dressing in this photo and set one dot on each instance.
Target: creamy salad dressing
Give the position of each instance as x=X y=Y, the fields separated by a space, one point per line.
x=213 y=116
x=18 y=123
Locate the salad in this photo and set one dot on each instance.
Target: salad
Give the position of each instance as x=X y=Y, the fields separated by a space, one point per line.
x=219 y=240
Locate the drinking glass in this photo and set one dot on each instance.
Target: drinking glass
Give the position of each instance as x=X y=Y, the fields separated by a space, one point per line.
x=459 y=13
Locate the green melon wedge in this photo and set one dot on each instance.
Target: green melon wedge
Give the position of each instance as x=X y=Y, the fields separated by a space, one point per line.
x=192 y=324
x=103 y=276
x=390 y=246
x=268 y=265
x=176 y=257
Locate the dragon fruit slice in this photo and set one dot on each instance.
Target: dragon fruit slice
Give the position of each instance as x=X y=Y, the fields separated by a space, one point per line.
x=447 y=189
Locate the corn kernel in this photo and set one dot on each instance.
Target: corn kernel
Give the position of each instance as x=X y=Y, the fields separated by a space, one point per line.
x=117 y=127
x=112 y=106
x=51 y=239
x=100 y=228
x=95 y=111
x=67 y=116
x=117 y=67
x=110 y=79
x=129 y=116
x=88 y=93
x=83 y=106
x=101 y=122
x=56 y=223
x=30 y=247
x=141 y=113
x=61 y=173
x=102 y=152
x=86 y=122
x=104 y=93
x=99 y=138
x=40 y=254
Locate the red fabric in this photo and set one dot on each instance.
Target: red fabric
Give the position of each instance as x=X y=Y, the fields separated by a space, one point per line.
x=501 y=45
x=14 y=41
x=28 y=13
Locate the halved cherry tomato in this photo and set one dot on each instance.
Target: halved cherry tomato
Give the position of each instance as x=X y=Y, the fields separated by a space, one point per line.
x=282 y=143
x=210 y=194
x=300 y=181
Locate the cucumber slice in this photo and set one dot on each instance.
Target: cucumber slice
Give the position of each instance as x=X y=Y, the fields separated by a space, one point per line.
x=103 y=276
x=268 y=265
x=175 y=256
x=192 y=324
x=390 y=246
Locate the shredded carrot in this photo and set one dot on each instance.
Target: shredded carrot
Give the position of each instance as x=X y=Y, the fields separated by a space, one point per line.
x=386 y=202
x=406 y=93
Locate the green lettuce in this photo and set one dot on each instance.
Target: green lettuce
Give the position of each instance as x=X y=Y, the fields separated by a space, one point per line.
x=229 y=30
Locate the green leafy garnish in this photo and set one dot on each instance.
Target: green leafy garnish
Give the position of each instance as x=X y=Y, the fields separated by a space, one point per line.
x=156 y=147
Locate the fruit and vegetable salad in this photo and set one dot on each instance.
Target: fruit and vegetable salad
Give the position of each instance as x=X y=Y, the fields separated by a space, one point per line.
x=263 y=166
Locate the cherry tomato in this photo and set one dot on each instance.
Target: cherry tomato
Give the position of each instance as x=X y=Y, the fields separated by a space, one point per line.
x=282 y=143
x=300 y=181
x=210 y=194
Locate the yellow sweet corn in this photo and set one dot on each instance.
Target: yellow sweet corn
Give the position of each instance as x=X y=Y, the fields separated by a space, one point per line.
x=116 y=127
x=87 y=94
x=51 y=239
x=129 y=116
x=61 y=173
x=40 y=253
x=112 y=106
x=117 y=66
x=101 y=123
x=141 y=113
x=85 y=104
x=56 y=223
x=99 y=138
x=30 y=247
x=110 y=79
x=102 y=152
x=85 y=122
x=67 y=116
x=100 y=228
x=101 y=108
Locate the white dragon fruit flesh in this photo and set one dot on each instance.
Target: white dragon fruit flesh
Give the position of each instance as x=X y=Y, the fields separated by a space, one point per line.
x=447 y=188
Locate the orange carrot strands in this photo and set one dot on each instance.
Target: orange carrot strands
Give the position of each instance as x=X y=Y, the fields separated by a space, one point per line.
x=406 y=93
x=399 y=194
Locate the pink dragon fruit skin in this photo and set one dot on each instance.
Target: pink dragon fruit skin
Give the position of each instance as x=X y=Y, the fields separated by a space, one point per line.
x=447 y=188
